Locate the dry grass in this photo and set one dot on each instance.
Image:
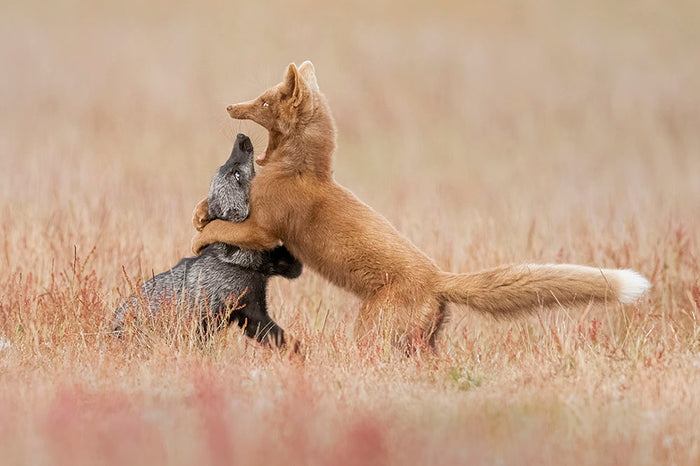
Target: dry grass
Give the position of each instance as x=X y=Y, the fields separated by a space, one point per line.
x=488 y=133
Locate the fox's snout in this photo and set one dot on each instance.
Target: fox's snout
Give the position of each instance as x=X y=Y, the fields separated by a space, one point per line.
x=254 y=111
x=244 y=143
x=237 y=111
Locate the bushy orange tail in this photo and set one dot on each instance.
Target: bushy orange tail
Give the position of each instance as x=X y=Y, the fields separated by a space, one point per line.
x=510 y=290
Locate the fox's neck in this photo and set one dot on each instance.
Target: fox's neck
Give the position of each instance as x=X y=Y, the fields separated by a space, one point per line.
x=309 y=150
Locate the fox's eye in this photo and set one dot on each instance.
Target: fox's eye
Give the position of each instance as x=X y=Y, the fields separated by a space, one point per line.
x=265 y=104
x=237 y=175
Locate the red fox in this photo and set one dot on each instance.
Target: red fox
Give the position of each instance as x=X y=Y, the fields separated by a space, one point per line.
x=296 y=201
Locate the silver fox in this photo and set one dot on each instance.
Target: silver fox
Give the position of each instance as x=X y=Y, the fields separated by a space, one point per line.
x=223 y=275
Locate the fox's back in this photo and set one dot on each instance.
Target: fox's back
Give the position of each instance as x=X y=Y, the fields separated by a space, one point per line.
x=219 y=276
x=328 y=228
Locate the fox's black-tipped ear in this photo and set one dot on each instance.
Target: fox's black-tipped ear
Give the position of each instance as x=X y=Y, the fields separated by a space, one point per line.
x=293 y=85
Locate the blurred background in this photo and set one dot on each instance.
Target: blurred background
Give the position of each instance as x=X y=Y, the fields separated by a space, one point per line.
x=488 y=132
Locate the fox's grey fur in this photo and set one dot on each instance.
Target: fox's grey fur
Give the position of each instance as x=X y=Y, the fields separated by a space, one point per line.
x=212 y=282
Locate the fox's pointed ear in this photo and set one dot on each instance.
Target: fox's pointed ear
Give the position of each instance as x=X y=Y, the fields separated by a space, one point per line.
x=308 y=73
x=293 y=85
x=290 y=80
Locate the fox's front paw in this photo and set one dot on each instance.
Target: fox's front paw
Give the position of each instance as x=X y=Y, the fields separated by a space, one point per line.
x=200 y=216
x=198 y=243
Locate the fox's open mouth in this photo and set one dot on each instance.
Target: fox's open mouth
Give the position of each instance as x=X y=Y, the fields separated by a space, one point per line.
x=260 y=159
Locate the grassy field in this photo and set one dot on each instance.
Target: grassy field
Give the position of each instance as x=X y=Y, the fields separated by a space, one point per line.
x=488 y=133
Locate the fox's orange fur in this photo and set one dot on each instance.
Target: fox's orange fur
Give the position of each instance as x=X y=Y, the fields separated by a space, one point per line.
x=295 y=200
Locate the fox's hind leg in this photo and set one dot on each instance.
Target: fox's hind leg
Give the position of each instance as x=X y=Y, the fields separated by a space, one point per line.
x=408 y=321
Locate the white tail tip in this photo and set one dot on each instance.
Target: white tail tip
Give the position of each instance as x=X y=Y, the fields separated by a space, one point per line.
x=632 y=285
